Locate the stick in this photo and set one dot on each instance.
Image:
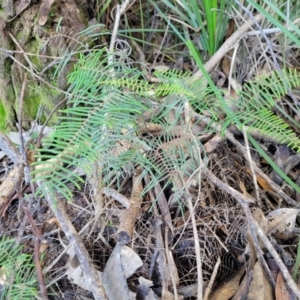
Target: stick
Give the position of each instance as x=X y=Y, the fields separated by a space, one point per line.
x=227 y=45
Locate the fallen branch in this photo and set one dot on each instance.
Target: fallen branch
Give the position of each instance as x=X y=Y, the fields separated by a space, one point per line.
x=89 y=269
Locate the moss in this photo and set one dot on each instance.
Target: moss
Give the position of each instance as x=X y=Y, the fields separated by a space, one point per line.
x=33 y=48
x=2 y=117
x=36 y=96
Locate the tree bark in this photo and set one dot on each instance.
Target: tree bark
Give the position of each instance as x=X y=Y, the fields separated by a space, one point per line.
x=34 y=36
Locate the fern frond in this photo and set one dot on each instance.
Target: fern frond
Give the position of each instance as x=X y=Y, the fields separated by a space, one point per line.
x=138 y=86
x=269 y=125
x=257 y=101
x=106 y=109
x=17 y=272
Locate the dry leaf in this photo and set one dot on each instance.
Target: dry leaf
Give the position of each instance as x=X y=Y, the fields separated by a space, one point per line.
x=263 y=183
x=122 y=263
x=227 y=290
x=250 y=199
x=281 y=291
x=260 y=287
x=281 y=222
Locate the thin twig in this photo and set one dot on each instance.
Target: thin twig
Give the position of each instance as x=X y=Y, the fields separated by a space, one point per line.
x=171 y=265
x=8 y=53
x=250 y=161
x=212 y=279
x=231 y=138
x=197 y=246
x=119 y=11
x=32 y=68
x=227 y=45
x=39 y=269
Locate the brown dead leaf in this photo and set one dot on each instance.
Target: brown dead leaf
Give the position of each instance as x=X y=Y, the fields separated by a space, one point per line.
x=227 y=290
x=47 y=224
x=260 y=287
x=281 y=291
x=263 y=183
x=250 y=199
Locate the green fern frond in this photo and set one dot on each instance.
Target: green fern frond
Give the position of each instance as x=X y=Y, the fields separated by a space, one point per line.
x=18 y=279
x=268 y=124
x=135 y=85
x=102 y=121
x=173 y=84
x=173 y=88
x=256 y=102
x=277 y=84
x=172 y=74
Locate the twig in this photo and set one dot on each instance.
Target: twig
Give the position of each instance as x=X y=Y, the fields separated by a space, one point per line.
x=120 y=10
x=20 y=119
x=8 y=53
x=116 y=196
x=250 y=161
x=161 y=258
x=163 y=205
x=252 y=222
x=171 y=266
x=74 y=239
x=212 y=279
x=32 y=68
x=39 y=269
x=197 y=245
x=259 y=254
x=227 y=45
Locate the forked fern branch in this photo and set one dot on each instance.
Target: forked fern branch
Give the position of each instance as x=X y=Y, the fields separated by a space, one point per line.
x=107 y=108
